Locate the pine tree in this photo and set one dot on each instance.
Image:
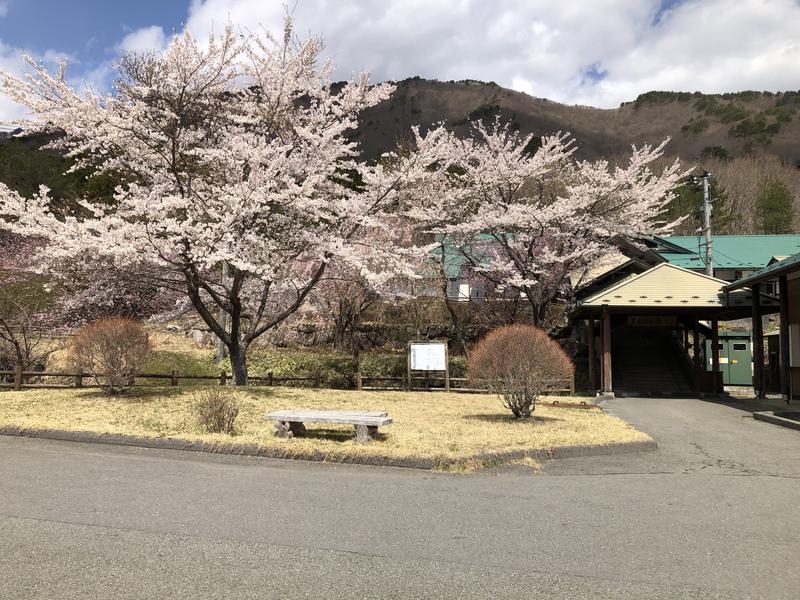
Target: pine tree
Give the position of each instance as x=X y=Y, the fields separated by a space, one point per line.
x=774 y=206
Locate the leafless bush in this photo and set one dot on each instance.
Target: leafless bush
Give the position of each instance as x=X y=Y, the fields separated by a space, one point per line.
x=519 y=363
x=114 y=350
x=217 y=411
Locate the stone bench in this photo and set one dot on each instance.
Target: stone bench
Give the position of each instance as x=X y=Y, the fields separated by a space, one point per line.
x=290 y=423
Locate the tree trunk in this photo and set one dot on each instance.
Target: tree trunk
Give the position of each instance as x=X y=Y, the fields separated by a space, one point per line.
x=238 y=364
x=340 y=339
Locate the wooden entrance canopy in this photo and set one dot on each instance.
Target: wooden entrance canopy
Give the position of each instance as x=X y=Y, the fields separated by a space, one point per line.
x=667 y=292
x=786 y=271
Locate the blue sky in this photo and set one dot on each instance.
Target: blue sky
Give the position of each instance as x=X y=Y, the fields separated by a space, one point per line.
x=596 y=52
x=85 y=29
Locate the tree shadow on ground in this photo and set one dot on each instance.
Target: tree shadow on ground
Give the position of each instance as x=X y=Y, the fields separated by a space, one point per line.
x=135 y=394
x=509 y=419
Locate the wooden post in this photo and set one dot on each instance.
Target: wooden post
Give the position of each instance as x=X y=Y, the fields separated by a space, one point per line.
x=715 y=354
x=174 y=379
x=269 y=378
x=786 y=382
x=359 y=382
x=607 y=383
x=590 y=341
x=18 y=377
x=758 y=343
x=408 y=379
x=696 y=345
x=316 y=380
x=79 y=380
x=223 y=378
x=446 y=368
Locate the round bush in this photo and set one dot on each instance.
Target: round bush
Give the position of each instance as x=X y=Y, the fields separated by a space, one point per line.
x=112 y=350
x=520 y=363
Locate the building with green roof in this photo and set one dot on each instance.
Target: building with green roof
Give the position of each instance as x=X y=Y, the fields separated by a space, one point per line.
x=733 y=256
x=783 y=276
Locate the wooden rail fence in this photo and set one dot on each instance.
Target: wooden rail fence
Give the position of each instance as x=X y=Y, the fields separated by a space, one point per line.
x=80 y=380
x=447 y=384
x=415 y=383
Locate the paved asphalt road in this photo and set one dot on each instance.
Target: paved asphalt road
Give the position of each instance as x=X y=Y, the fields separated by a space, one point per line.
x=712 y=514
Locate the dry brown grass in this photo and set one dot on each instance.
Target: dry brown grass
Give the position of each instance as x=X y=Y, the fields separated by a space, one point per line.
x=443 y=427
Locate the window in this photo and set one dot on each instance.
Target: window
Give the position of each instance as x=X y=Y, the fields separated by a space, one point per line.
x=458 y=290
x=477 y=293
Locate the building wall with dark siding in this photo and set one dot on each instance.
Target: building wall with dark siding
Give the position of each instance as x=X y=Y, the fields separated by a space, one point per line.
x=793 y=285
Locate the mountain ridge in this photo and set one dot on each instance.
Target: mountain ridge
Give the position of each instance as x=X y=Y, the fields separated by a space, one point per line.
x=699 y=125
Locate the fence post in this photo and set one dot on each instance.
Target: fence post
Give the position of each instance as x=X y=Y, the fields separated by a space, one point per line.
x=359 y=381
x=174 y=380
x=79 y=380
x=223 y=378
x=18 y=377
x=269 y=378
x=572 y=385
x=316 y=380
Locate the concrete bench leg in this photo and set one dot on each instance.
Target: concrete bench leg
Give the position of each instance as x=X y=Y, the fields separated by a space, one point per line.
x=297 y=428
x=289 y=429
x=365 y=433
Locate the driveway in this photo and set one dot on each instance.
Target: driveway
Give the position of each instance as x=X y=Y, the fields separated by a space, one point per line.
x=709 y=515
x=697 y=436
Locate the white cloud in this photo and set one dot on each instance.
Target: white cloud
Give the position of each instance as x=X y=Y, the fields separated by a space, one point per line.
x=11 y=62
x=144 y=40
x=600 y=52
x=4 y=8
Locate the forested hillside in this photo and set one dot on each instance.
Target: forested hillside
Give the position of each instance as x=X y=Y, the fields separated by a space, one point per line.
x=749 y=141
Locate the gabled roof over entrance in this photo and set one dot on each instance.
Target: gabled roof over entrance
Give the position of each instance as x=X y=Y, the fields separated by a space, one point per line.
x=666 y=287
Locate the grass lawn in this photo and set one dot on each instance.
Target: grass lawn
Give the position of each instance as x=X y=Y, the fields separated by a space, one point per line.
x=439 y=426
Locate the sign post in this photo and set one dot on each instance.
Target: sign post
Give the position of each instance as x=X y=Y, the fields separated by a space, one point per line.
x=429 y=357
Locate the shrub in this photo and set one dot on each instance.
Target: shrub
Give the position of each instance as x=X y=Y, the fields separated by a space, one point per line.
x=519 y=363
x=113 y=350
x=217 y=411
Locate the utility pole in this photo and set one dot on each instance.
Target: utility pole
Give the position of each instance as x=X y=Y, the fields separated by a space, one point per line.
x=223 y=318
x=707 y=208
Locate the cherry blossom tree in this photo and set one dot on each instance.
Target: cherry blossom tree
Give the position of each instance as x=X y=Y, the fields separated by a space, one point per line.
x=233 y=151
x=526 y=219
x=341 y=299
x=29 y=311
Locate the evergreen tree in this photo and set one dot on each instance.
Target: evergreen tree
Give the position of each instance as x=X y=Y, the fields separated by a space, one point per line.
x=774 y=206
x=689 y=201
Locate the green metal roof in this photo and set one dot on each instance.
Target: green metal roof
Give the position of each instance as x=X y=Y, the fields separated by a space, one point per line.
x=774 y=270
x=729 y=251
x=454 y=260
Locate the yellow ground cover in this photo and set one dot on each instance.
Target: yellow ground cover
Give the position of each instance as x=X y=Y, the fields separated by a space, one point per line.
x=438 y=426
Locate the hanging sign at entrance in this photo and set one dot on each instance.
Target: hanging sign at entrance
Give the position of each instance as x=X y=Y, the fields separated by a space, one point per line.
x=428 y=356
x=652 y=321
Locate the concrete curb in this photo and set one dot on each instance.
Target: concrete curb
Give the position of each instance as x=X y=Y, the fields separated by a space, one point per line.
x=265 y=452
x=771 y=417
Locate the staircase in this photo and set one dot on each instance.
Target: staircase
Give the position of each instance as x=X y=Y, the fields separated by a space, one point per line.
x=648 y=362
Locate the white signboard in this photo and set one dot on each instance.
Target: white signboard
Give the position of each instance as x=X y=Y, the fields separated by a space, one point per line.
x=428 y=356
